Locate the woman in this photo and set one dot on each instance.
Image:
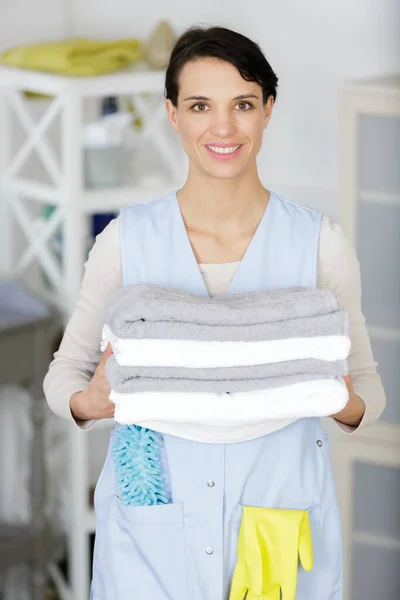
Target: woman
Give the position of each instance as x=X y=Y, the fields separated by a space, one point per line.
x=223 y=232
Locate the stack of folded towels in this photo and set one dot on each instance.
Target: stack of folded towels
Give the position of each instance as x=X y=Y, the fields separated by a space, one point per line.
x=228 y=368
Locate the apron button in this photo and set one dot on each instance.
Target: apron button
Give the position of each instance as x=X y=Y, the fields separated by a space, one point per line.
x=319 y=443
x=209 y=550
x=210 y=483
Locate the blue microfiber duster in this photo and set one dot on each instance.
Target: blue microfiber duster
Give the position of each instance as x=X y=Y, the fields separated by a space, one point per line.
x=140 y=472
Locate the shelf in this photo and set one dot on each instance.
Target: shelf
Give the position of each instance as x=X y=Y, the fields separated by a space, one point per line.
x=382 y=85
x=369 y=539
x=62 y=587
x=18 y=544
x=36 y=190
x=137 y=79
x=106 y=200
x=377 y=444
x=90 y=521
x=16 y=541
x=379 y=197
x=154 y=161
x=377 y=96
x=94 y=200
x=384 y=333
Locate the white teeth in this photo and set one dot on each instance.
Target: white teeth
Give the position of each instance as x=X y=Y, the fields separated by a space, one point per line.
x=224 y=150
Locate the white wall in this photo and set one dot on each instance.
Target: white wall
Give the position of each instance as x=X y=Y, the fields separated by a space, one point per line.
x=313 y=47
x=24 y=22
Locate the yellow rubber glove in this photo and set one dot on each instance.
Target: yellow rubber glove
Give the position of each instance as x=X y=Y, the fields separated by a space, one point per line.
x=270 y=543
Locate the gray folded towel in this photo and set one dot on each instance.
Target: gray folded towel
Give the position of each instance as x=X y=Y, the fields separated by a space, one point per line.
x=146 y=311
x=222 y=379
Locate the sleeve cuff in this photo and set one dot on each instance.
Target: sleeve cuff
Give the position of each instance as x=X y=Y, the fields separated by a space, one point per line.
x=63 y=410
x=349 y=429
x=85 y=425
x=369 y=417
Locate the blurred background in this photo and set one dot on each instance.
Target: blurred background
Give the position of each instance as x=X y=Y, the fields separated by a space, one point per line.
x=87 y=138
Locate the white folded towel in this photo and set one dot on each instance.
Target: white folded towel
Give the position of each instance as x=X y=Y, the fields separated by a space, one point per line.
x=226 y=418
x=208 y=354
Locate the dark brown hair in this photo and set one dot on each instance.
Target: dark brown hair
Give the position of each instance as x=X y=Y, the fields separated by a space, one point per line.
x=224 y=44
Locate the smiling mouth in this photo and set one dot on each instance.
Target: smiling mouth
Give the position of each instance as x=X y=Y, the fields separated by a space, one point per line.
x=223 y=150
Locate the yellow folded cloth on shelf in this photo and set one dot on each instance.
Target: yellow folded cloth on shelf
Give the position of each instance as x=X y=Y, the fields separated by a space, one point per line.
x=270 y=543
x=76 y=57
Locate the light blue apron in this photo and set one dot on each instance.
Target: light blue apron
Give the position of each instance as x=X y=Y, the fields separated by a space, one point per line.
x=186 y=550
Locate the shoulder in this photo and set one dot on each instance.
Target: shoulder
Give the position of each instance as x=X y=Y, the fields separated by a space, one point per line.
x=104 y=256
x=337 y=259
x=144 y=208
x=298 y=209
x=300 y=222
x=333 y=241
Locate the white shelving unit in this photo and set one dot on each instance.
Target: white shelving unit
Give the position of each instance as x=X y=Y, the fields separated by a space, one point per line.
x=63 y=188
x=377 y=448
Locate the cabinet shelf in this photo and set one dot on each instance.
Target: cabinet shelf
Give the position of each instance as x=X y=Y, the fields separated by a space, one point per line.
x=369 y=539
x=384 y=333
x=90 y=521
x=377 y=444
x=158 y=166
x=104 y=200
x=94 y=200
x=135 y=79
x=380 y=197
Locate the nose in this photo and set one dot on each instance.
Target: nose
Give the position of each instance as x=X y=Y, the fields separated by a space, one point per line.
x=222 y=123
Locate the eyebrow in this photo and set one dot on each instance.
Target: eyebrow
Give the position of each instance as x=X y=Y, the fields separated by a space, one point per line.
x=241 y=97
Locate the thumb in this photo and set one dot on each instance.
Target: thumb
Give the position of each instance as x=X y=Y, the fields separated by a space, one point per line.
x=107 y=352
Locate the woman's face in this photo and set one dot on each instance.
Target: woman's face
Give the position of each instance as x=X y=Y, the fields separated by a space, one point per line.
x=220 y=117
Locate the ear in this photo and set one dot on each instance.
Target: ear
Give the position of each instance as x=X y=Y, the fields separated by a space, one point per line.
x=268 y=106
x=172 y=115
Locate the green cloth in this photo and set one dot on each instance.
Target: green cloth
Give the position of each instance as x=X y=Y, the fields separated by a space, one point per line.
x=76 y=57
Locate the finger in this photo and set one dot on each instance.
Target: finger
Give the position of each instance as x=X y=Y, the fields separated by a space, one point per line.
x=105 y=355
x=239 y=583
x=273 y=594
x=109 y=349
x=349 y=383
x=110 y=412
x=107 y=409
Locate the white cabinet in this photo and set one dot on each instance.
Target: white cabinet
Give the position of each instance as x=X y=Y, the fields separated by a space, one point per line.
x=367 y=466
x=54 y=139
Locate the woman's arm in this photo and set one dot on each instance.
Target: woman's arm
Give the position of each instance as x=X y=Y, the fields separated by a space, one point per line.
x=79 y=354
x=339 y=271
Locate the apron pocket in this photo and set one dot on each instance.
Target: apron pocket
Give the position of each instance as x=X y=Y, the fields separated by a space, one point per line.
x=305 y=581
x=146 y=552
x=238 y=511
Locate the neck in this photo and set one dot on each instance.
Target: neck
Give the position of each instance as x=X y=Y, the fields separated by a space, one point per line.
x=218 y=205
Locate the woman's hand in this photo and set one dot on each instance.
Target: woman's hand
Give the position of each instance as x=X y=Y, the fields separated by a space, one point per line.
x=94 y=402
x=354 y=410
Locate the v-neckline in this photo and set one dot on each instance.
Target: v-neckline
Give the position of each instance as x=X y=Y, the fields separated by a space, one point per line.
x=245 y=258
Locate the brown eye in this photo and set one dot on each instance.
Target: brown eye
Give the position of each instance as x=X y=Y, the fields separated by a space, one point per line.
x=198 y=105
x=244 y=103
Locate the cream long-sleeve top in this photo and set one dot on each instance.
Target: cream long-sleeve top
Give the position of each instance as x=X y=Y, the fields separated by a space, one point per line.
x=74 y=363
